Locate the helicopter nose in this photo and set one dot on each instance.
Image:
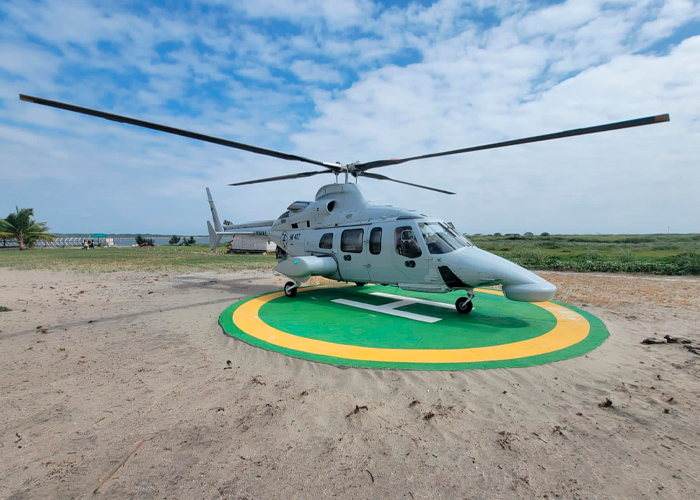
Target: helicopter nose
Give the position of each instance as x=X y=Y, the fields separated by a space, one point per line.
x=478 y=267
x=530 y=292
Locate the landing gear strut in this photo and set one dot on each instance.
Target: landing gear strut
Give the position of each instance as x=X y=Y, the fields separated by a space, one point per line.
x=290 y=289
x=465 y=305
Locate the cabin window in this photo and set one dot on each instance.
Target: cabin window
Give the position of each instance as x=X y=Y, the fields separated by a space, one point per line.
x=406 y=243
x=295 y=225
x=351 y=240
x=375 y=241
x=326 y=241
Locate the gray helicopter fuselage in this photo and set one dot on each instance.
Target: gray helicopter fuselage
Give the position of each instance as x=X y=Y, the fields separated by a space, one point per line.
x=344 y=237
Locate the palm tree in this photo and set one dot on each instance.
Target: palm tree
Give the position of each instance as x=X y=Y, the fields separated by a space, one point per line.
x=21 y=227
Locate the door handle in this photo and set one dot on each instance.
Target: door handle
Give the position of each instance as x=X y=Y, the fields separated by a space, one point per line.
x=410 y=263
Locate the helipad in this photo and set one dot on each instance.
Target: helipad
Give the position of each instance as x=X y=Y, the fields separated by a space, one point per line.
x=385 y=327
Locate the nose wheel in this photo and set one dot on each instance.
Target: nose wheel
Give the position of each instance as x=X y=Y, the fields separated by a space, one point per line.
x=465 y=305
x=290 y=289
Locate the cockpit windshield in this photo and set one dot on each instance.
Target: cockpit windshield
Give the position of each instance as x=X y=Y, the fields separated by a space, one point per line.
x=441 y=238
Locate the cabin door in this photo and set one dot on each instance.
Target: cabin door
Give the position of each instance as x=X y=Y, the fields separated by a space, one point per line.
x=352 y=257
x=411 y=258
x=380 y=256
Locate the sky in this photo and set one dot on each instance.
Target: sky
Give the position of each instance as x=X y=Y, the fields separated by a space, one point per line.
x=353 y=80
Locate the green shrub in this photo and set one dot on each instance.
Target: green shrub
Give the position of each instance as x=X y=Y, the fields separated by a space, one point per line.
x=627 y=256
x=141 y=241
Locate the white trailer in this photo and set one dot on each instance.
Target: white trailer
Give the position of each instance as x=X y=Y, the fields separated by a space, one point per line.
x=242 y=243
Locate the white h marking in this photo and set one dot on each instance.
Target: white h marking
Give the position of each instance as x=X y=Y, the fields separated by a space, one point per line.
x=391 y=308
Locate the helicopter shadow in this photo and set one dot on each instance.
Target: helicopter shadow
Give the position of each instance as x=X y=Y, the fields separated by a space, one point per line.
x=244 y=287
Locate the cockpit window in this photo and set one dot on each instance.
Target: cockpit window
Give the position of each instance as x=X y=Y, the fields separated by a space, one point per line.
x=284 y=215
x=406 y=243
x=441 y=238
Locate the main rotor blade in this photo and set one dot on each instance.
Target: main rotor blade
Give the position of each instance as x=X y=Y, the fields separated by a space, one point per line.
x=385 y=178
x=650 y=120
x=283 y=177
x=172 y=130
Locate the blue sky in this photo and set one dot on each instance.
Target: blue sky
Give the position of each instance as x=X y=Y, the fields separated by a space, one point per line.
x=353 y=80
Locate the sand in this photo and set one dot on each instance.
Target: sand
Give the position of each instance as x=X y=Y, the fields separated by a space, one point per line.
x=92 y=366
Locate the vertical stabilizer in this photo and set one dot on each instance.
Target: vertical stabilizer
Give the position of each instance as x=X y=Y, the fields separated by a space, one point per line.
x=214 y=238
x=214 y=213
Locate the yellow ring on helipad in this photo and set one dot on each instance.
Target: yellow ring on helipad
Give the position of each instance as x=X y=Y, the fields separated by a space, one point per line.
x=571 y=328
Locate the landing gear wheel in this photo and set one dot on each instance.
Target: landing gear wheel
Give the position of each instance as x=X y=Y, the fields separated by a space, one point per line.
x=290 y=289
x=464 y=305
x=359 y=283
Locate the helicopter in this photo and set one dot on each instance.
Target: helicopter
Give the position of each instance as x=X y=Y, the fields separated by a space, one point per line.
x=344 y=237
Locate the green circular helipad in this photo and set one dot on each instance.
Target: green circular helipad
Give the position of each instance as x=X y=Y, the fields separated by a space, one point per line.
x=385 y=327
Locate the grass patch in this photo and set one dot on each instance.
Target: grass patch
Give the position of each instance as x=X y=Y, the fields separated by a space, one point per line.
x=4 y=309
x=668 y=254
x=159 y=258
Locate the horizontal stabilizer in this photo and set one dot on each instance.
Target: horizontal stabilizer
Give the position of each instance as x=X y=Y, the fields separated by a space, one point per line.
x=248 y=225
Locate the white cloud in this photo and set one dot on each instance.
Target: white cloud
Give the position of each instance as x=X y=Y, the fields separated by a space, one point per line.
x=310 y=71
x=672 y=14
x=336 y=13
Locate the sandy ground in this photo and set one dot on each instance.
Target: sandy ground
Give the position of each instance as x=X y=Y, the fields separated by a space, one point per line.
x=92 y=366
